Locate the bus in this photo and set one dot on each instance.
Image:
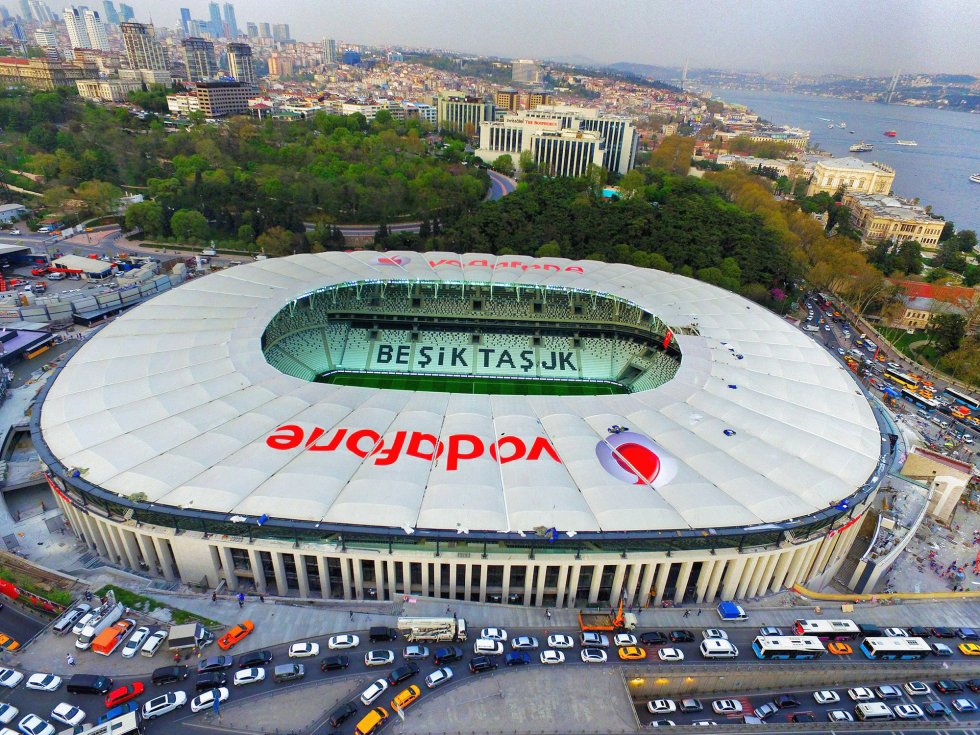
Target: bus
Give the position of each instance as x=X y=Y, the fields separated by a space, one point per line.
x=787 y=647
x=828 y=630
x=930 y=404
x=899 y=378
x=895 y=648
x=128 y=724
x=962 y=398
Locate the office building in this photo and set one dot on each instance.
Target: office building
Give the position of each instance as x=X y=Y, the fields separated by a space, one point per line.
x=43 y=73
x=94 y=27
x=525 y=71
x=420 y=110
x=143 y=51
x=77 y=33
x=220 y=99
x=198 y=59
x=39 y=12
x=183 y=103
x=45 y=38
x=126 y=12
x=215 y=26
x=462 y=114
x=507 y=99
x=251 y=30
x=240 y=65
x=265 y=30
x=185 y=21
x=539 y=98
x=280 y=32
x=329 y=51
x=26 y=11
x=17 y=32
x=111 y=16
x=231 y=25
x=107 y=90
x=279 y=65
x=851 y=174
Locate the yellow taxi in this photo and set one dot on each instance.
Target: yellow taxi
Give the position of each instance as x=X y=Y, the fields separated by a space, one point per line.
x=632 y=653
x=970 y=649
x=839 y=649
x=371 y=721
x=405 y=698
x=7 y=643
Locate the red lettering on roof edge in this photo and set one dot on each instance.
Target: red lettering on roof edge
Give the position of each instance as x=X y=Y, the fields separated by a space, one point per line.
x=508 y=264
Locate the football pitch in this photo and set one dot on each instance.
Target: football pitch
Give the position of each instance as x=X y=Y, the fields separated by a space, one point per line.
x=463 y=384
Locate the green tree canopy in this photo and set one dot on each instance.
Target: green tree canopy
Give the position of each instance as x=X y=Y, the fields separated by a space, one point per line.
x=189 y=225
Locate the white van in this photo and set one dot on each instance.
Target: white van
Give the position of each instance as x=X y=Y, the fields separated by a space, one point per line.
x=873 y=711
x=718 y=648
x=488 y=647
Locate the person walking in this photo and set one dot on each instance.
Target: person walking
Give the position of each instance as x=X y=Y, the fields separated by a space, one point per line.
x=70 y=659
x=214 y=597
x=241 y=599
x=699 y=612
x=687 y=613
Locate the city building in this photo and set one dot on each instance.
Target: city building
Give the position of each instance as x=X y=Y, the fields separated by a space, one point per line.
x=221 y=98
x=538 y=98
x=111 y=16
x=566 y=152
x=45 y=38
x=143 y=51
x=420 y=110
x=185 y=21
x=251 y=30
x=885 y=217
x=43 y=73
x=798 y=138
x=461 y=113
x=851 y=174
x=525 y=71
x=75 y=24
x=783 y=166
x=38 y=11
x=107 y=90
x=508 y=100
x=12 y=212
x=947 y=479
x=280 y=32
x=126 y=12
x=95 y=28
x=279 y=65
x=215 y=25
x=526 y=501
x=265 y=30
x=329 y=51
x=231 y=23
x=199 y=59
x=920 y=301
x=240 y=65
x=182 y=103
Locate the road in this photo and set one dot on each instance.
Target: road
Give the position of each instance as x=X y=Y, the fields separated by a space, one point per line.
x=500 y=185
x=18 y=625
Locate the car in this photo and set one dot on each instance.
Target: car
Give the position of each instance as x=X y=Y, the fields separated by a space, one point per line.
x=494 y=634
x=893 y=365
x=244 y=677
x=7 y=713
x=34 y=725
x=255 y=658
x=888 y=691
x=524 y=643
x=840 y=350
x=691 y=705
x=438 y=677
x=907 y=711
x=948 y=686
x=895 y=633
x=969 y=649
x=632 y=653
x=341 y=714
x=714 y=633
x=593 y=656
x=379 y=657
x=661 y=706
x=334 y=663
x=973 y=685
x=15 y=232
x=479 y=664
x=162 y=705
x=941 y=649
x=236 y=635
x=169 y=674
x=344 y=640
x=917 y=688
x=401 y=673
x=861 y=694
x=210 y=680
x=704 y=723
x=304 y=650
x=826 y=327
x=123 y=694
x=43 y=682
x=839 y=648
x=624 y=639
x=591 y=639
x=770 y=630
x=871 y=631
x=670 y=654
x=803 y=717
x=374 y=691
x=10 y=678
x=71 y=715
x=153 y=643
x=653 y=638
x=786 y=701
x=944 y=632
x=415 y=652
x=447 y=655
x=122 y=709
x=727 y=707
x=663 y=723
x=517 y=658
x=826 y=696
x=968 y=634
x=839 y=715
x=764 y=711
x=206 y=700
x=681 y=636
x=215 y=663
x=132 y=646
x=937 y=709
x=560 y=640
x=549 y=656
x=962 y=704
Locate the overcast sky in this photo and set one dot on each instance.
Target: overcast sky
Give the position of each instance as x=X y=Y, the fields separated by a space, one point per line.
x=788 y=36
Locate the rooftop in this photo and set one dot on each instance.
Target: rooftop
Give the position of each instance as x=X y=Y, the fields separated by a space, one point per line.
x=852 y=163
x=885 y=205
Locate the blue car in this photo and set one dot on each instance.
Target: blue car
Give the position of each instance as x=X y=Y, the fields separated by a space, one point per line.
x=122 y=709
x=517 y=658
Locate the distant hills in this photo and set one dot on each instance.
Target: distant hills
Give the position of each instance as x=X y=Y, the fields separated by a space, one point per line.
x=662 y=73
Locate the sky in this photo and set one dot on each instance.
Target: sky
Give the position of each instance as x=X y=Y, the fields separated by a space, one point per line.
x=804 y=36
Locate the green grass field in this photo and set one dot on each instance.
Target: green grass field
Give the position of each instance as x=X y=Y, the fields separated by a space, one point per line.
x=490 y=386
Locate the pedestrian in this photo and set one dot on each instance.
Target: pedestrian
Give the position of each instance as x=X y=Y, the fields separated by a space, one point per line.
x=241 y=599
x=70 y=659
x=699 y=612
x=447 y=609
x=262 y=599
x=351 y=614
x=687 y=613
x=214 y=597
x=548 y=613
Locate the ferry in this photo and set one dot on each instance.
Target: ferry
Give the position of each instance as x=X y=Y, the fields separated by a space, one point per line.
x=906 y=142
x=975 y=178
x=861 y=147
x=891 y=133
x=842 y=125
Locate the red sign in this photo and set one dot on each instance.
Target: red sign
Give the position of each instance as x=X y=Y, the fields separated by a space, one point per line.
x=516 y=264
x=835 y=531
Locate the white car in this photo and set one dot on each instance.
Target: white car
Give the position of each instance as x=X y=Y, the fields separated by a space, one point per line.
x=624 y=639
x=82 y=622
x=379 y=657
x=826 y=696
x=908 y=711
x=68 y=714
x=917 y=688
x=206 y=700
x=895 y=633
x=251 y=675
x=861 y=694
x=43 y=682
x=661 y=707
x=663 y=723
x=962 y=704
x=346 y=640
x=670 y=654
x=494 y=634
x=374 y=691
x=552 y=657
x=136 y=640
x=524 y=643
x=559 y=640
x=10 y=678
x=839 y=715
x=162 y=705
x=710 y=633
x=34 y=725
x=153 y=643
x=593 y=656
x=7 y=713
x=727 y=707
x=894 y=366
x=304 y=650
x=594 y=640
x=439 y=677
x=15 y=232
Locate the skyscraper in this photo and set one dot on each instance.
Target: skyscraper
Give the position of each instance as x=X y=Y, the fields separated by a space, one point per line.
x=252 y=30
x=265 y=30
x=4 y=13
x=25 y=10
x=185 y=21
x=142 y=48
x=230 y=20
x=40 y=11
x=527 y=72
x=199 y=59
x=214 y=20
x=95 y=28
x=77 y=33
x=45 y=38
x=126 y=12
x=240 y=63
x=111 y=16
x=329 y=51
x=280 y=32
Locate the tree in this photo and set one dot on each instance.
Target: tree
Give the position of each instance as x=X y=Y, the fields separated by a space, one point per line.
x=549 y=250
x=276 y=242
x=147 y=217
x=246 y=233
x=189 y=225
x=964 y=362
x=947 y=331
x=632 y=184
x=504 y=164
x=100 y=196
x=949 y=229
x=967 y=240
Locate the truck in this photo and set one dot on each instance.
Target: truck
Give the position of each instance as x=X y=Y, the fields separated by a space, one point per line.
x=436 y=630
x=108 y=614
x=728 y=610
x=109 y=639
x=189 y=635
x=599 y=620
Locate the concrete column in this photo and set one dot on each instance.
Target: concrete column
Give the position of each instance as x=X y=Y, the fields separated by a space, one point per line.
x=112 y=551
x=795 y=566
x=632 y=580
x=392 y=580
x=772 y=562
x=452 y=581
x=228 y=566
x=563 y=572
x=98 y=541
x=345 y=576
x=279 y=568
x=406 y=577
x=358 y=578
x=733 y=577
x=115 y=537
x=379 y=579
x=782 y=567
x=760 y=569
x=302 y=578
x=528 y=583
x=505 y=584
x=149 y=553
x=746 y=576
x=258 y=573
x=807 y=569
x=165 y=557
x=437 y=579
x=129 y=545
x=426 y=590
x=324 y=571
x=616 y=590
x=483 y=583
x=715 y=580
x=646 y=584
x=704 y=576
x=573 y=574
x=826 y=546
x=682 y=579
x=596 y=580
x=539 y=591
x=468 y=582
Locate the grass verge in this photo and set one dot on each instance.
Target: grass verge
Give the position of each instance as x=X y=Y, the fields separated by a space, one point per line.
x=144 y=604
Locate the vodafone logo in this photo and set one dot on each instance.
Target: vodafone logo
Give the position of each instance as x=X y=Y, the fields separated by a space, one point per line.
x=635 y=458
x=391 y=260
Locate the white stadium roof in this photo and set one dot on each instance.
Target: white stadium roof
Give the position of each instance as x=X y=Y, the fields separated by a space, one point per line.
x=175 y=400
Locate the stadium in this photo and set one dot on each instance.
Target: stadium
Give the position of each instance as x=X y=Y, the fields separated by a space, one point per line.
x=472 y=427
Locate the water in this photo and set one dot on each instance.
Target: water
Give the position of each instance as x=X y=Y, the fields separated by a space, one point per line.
x=937 y=171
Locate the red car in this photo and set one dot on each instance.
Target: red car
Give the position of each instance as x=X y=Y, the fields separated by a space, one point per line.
x=236 y=634
x=123 y=694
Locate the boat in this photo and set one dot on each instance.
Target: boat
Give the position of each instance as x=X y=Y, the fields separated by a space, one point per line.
x=891 y=133
x=975 y=178
x=861 y=147
x=906 y=142
x=831 y=126
x=842 y=125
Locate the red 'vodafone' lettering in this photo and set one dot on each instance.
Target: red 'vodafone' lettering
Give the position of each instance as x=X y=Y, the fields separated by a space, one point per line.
x=508 y=264
x=384 y=451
